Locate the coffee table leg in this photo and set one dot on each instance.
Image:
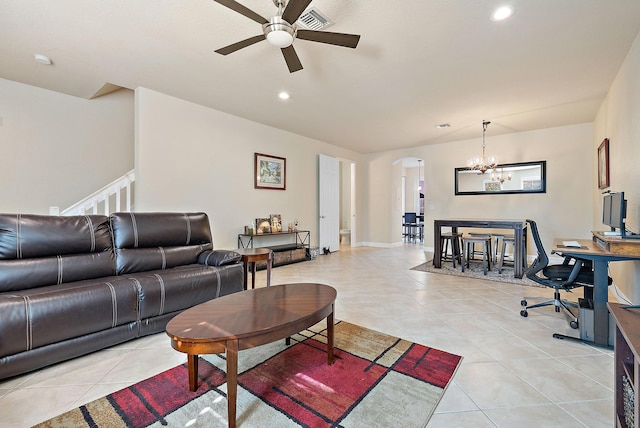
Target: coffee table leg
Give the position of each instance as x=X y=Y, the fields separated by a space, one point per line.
x=232 y=381
x=330 y=338
x=192 y=363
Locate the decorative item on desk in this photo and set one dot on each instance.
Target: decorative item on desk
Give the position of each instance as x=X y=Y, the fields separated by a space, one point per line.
x=276 y=223
x=263 y=225
x=295 y=225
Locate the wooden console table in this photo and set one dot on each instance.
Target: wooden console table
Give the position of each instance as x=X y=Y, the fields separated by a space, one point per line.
x=287 y=247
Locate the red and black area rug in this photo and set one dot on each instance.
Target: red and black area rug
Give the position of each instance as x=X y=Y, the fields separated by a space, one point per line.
x=376 y=380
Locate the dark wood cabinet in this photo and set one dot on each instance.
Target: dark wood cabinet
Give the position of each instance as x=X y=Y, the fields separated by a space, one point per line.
x=627 y=364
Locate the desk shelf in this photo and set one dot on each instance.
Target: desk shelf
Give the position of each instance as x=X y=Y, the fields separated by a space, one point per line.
x=627 y=369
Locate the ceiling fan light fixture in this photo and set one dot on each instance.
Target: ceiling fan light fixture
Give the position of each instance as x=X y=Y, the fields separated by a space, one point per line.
x=279 y=33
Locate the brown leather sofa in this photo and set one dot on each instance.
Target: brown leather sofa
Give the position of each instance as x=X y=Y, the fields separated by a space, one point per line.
x=73 y=285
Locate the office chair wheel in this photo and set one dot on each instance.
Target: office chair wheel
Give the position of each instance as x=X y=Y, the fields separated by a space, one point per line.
x=524 y=313
x=523 y=302
x=574 y=324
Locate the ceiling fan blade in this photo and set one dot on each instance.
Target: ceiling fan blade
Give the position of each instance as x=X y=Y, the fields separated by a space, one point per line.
x=239 y=45
x=339 y=39
x=291 y=57
x=243 y=10
x=294 y=9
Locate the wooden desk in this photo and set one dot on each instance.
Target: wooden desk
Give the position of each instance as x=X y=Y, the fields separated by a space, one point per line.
x=600 y=256
x=519 y=233
x=617 y=245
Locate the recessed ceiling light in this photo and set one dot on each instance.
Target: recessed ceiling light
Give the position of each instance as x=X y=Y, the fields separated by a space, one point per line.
x=284 y=95
x=42 y=59
x=502 y=13
x=443 y=125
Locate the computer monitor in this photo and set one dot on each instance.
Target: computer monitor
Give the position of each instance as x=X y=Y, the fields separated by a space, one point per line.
x=606 y=210
x=614 y=212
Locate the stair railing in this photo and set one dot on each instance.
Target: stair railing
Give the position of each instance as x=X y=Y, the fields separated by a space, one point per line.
x=115 y=196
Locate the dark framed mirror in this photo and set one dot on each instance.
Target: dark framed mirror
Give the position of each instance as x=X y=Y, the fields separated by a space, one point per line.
x=508 y=178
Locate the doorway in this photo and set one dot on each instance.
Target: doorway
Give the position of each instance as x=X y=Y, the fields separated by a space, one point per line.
x=337 y=195
x=412 y=190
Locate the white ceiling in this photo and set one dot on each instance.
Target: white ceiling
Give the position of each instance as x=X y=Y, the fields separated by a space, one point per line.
x=419 y=62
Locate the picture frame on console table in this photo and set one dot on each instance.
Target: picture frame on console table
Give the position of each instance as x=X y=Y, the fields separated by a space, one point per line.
x=603 y=164
x=263 y=225
x=270 y=172
x=276 y=222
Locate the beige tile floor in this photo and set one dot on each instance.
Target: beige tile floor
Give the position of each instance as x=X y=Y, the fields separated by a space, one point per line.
x=514 y=374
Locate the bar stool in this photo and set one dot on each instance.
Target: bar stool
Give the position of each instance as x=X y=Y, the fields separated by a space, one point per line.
x=469 y=243
x=510 y=241
x=456 y=247
x=498 y=239
x=482 y=236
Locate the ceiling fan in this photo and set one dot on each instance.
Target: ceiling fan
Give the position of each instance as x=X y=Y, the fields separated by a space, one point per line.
x=281 y=30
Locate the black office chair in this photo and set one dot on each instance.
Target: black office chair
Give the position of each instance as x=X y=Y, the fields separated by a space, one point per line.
x=565 y=276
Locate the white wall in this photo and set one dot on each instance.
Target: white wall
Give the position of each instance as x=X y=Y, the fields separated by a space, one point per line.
x=56 y=149
x=619 y=120
x=193 y=158
x=565 y=210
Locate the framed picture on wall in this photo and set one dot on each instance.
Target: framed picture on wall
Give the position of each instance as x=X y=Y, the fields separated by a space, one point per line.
x=270 y=172
x=603 y=164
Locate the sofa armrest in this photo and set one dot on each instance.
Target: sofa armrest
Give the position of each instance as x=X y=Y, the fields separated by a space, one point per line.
x=219 y=257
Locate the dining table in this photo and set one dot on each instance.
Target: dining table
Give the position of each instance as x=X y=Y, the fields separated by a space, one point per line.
x=519 y=228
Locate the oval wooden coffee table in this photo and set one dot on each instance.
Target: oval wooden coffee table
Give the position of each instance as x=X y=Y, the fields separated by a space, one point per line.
x=248 y=319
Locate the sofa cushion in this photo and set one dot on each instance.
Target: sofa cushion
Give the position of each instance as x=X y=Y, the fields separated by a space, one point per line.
x=132 y=260
x=152 y=241
x=41 y=316
x=38 y=250
x=31 y=273
x=170 y=290
x=144 y=230
x=219 y=257
x=24 y=236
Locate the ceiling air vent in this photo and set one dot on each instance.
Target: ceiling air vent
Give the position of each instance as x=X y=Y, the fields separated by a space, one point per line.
x=313 y=19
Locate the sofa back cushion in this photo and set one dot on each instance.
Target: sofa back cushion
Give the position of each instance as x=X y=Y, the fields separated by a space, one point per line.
x=40 y=250
x=153 y=241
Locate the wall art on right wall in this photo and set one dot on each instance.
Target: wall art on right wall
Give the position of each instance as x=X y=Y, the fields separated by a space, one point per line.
x=603 y=164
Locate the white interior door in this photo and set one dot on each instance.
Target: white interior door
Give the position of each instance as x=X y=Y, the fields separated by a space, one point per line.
x=328 y=203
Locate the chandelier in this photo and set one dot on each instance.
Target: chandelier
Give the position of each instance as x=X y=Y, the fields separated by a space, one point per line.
x=500 y=176
x=483 y=164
